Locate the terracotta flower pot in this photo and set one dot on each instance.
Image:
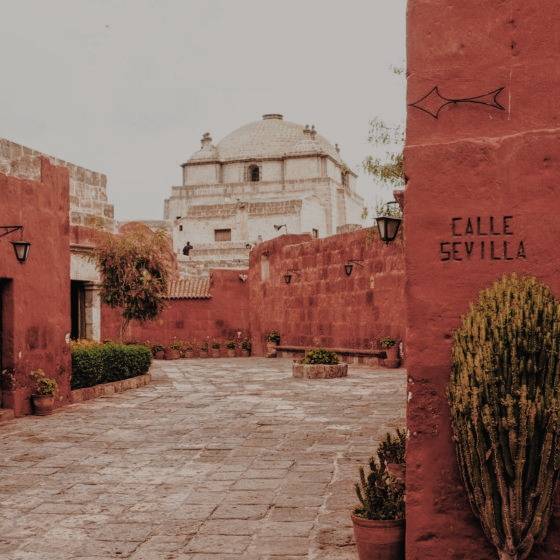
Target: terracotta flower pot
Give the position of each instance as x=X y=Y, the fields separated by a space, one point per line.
x=231 y=352
x=245 y=353
x=203 y=354
x=392 y=360
x=159 y=355
x=42 y=404
x=171 y=354
x=379 y=540
x=215 y=352
x=271 y=349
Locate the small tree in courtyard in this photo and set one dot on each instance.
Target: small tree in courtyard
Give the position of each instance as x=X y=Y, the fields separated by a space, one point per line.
x=135 y=268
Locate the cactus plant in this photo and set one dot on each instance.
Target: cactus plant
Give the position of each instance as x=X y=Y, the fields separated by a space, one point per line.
x=504 y=397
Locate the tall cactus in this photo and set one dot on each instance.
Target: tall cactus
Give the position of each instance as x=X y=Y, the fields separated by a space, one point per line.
x=504 y=396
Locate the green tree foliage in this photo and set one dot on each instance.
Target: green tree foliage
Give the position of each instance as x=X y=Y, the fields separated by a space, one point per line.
x=135 y=267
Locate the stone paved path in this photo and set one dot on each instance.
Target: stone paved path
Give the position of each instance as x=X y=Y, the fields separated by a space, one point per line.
x=217 y=459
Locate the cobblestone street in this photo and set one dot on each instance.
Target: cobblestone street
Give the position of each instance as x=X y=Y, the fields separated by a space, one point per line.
x=216 y=459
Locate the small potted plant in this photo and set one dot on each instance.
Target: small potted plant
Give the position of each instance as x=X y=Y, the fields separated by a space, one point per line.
x=379 y=525
x=391 y=347
x=231 y=347
x=158 y=351
x=203 y=350
x=173 y=351
x=45 y=390
x=216 y=349
x=188 y=350
x=245 y=347
x=319 y=364
x=272 y=341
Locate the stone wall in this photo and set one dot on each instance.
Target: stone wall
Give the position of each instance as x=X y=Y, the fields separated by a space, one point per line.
x=35 y=302
x=499 y=168
x=219 y=317
x=322 y=306
x=88 y=189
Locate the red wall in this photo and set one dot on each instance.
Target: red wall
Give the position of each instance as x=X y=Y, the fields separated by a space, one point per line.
x=36 y=299
x=322 y=306
x=474 y=161
x=219 y=317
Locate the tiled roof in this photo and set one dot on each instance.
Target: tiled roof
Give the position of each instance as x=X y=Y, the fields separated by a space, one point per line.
x=189 y=288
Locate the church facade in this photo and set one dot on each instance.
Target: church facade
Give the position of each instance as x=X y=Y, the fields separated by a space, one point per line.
x=265 y=179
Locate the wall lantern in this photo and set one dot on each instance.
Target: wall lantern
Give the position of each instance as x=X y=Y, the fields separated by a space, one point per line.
x=388 y=226
x=21 y=247
x=289 y=274
x=278 y=227
x=349 y=267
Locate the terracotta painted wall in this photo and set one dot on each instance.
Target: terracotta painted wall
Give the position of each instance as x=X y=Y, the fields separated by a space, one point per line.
x=37 y=294
x=220 y=317
x=321 y=305
x=473 y=162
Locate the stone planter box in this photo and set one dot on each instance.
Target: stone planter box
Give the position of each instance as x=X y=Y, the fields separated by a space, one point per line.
x=105 y=389
x=319 y=371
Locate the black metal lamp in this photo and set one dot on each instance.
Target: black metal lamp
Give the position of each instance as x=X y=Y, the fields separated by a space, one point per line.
x=289 y=274
x=349 y=266
x=21 y=247
x=388 y=226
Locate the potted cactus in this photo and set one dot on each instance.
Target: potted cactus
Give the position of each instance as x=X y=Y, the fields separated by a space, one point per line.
x=188 y=350
x=272 y=341
x=231 y=347
x=203 y=350
x=246 y=348
x=43 y=396
x=173 y=351
x=391 y=347
x=504 y=396
x=216 y=349
x=379 y=518
x=158 y=351
x=319 y=363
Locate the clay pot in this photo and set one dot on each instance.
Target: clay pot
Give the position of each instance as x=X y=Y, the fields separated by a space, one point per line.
x=215 y=352
x=159 y=355
x=42 y=404
x=203 y=354
x=171 y=354
x=271 y=349
x=392 y=360
x=189 y=354
x=231 y=352
x=379 y=540
x=245 y=353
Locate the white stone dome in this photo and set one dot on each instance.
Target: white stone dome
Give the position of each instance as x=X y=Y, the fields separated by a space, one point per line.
x=270 y=137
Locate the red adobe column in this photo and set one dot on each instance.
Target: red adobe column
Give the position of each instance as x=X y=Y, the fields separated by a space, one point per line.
x=482 y=200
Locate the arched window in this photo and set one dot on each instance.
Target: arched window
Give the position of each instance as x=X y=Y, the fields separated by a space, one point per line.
x=254 y=173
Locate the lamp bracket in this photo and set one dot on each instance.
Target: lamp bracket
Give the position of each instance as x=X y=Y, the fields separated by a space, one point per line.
x=10 y=229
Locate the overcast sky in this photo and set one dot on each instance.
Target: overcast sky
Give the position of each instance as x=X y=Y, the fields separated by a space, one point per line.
x=127 y=87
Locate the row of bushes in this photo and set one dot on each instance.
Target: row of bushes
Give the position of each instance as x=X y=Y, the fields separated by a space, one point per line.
x=94 y=363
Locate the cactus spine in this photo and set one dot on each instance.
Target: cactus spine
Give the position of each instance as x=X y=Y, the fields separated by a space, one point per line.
x=504 y=396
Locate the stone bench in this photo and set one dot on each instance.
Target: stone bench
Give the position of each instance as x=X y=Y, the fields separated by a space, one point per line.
x=348 y=355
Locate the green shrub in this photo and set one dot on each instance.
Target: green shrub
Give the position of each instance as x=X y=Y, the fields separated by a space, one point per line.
x=273 y=336
x=231 y=345
x=246 y=345
x=320 y=356
x=44 y=386
x=102 y=363
x=387 y=342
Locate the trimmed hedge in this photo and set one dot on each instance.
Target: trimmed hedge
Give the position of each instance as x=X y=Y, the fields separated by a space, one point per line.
x=102 y=363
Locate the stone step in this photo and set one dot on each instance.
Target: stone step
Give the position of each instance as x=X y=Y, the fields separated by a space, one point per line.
x=6 y=414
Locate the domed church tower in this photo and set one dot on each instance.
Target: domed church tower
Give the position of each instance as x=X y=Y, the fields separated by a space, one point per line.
x=265 y=179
